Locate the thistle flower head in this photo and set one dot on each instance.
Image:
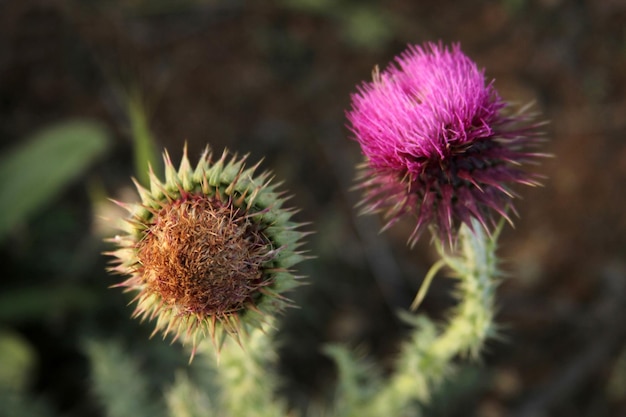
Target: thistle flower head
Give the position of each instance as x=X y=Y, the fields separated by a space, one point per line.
x=439 y=142
x=208 y=252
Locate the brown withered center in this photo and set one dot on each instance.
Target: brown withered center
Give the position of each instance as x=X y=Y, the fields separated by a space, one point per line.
x=203 y=256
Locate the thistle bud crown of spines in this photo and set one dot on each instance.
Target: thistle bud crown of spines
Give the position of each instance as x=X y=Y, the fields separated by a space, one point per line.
x=226 y=188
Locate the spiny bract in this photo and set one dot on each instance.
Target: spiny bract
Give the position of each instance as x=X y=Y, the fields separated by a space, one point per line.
x=209 y=251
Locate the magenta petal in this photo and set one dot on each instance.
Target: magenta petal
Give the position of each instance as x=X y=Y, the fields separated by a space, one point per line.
x=439 y=142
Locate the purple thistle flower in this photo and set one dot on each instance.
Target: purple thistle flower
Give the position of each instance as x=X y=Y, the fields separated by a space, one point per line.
x=439 y=142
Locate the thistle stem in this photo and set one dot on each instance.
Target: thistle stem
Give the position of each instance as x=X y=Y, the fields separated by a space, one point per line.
x=245 y=375
x=426 y=358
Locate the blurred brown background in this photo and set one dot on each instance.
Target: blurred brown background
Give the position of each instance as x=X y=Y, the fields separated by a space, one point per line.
x=274 y=79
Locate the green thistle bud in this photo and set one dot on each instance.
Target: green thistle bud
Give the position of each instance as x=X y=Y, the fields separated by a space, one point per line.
x=209 y=250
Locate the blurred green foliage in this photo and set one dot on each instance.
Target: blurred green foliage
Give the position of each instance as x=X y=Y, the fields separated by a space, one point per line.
x=17 y=360
x=362 y=24
x=616 y=387
x=119 y=383
x=37 y=302
x=34 y=172
x=17 y=363
x=144 y=144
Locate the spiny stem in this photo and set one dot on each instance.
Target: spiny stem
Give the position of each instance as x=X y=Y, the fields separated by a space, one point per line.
x=245 y=377
x=426 y=357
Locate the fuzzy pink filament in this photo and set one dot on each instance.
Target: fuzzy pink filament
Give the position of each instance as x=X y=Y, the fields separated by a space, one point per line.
x=439 y=142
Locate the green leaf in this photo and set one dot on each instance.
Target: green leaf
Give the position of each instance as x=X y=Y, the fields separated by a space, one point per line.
x=17 y=361
x=143 y=141
x=35 y=171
